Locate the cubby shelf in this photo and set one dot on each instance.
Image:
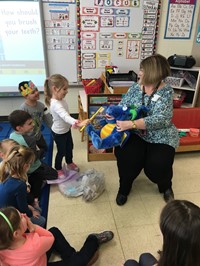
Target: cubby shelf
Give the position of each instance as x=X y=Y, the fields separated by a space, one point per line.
x=192 y=98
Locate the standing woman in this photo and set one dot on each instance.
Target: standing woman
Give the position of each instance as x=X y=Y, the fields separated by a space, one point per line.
x=154 y=138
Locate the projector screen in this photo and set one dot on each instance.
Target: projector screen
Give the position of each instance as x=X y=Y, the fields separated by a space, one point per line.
x=22 y=55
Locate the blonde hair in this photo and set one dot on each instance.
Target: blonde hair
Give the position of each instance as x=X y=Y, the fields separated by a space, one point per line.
x=155 y=68
x=14 y=163
x=56 y=80
x=6 y=145
x=6 y=233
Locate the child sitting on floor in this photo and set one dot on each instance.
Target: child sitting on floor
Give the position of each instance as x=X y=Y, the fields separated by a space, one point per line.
x=5 y=147
x=13 y=177
x=180 y=228
x=35 y=247
x=22 y=123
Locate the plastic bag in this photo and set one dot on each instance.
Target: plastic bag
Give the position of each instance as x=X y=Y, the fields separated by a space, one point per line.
x=72 y=187
x=93 y=183
x=90 y=184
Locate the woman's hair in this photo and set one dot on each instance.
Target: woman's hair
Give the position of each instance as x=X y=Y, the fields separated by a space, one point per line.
x=6 y=145
x=9 y=222
x=180 y=226
x=155 y=68
x=14 y=163
x=56 y=80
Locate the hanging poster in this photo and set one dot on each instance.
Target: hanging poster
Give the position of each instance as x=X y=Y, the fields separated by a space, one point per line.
x=60 y=21
x=125 y=32
x=180 y=19
x=198 y=35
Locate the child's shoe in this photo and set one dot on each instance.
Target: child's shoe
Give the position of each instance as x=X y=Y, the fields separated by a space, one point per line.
x=73 y=166
x=104 y=237
x=61 y=174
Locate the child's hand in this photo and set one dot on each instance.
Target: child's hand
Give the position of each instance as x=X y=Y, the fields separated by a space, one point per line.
x=34 y=212
x=30 y=225
x=83 y=123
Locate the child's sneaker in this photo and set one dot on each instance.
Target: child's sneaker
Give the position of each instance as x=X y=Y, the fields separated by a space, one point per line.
x=104 y=237
x=73 y=166
x=61 y=174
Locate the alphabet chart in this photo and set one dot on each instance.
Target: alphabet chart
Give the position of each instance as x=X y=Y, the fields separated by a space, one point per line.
x=180 y=19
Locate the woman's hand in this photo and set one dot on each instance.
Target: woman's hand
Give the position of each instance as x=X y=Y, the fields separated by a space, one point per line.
x=124 y=125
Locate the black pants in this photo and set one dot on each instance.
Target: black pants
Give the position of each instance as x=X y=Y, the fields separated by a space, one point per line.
x=42 y=145
x=146 y=259
x=69 y=255
x=64 y=143
x=137 y=154
x=44 y=172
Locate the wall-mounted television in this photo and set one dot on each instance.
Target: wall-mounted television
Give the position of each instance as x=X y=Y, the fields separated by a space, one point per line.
x=22 y=53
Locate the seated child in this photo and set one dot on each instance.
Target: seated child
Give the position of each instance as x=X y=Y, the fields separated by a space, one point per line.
x=5 y=146
x=38 y=111
x=180 y=228
x=36 y=246
x=13 y=177
x=22 y=123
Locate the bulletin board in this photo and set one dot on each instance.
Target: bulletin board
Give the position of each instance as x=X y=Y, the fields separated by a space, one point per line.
x=116 y=32
x=60 y=21
x=83 y=36
x=180 y=19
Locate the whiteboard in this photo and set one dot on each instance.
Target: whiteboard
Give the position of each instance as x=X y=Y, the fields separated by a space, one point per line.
x=61 y=38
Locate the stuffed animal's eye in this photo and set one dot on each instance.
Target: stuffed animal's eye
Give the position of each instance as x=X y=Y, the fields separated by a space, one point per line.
x=124 y=108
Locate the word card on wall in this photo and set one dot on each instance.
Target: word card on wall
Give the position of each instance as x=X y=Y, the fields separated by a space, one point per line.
x=116 y=32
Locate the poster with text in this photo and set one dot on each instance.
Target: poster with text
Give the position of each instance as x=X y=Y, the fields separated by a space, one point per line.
x=180 y=19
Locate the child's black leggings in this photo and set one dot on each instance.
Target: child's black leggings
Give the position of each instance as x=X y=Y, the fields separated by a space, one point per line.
x=69 y=256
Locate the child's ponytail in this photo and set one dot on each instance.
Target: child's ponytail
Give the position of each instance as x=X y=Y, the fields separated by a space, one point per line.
x=56 y=80
x=47 y=92
x=14 y=163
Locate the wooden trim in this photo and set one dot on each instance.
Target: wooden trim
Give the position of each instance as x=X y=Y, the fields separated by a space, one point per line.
x=187 y=148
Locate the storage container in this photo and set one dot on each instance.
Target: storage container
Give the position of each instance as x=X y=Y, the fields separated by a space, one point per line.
x=92 y=85
x=174 y=81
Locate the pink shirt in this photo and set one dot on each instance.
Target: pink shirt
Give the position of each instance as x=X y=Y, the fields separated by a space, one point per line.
x=32 y=252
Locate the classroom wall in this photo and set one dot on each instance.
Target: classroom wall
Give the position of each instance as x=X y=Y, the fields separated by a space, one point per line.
x=7 y=105
x=168 y=47
x=164 y=46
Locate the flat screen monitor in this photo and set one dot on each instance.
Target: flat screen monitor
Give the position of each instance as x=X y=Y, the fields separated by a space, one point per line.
x=22 y=53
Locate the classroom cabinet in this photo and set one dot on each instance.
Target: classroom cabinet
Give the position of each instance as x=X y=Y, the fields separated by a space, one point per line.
x=186 y=85
x=184 y=82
